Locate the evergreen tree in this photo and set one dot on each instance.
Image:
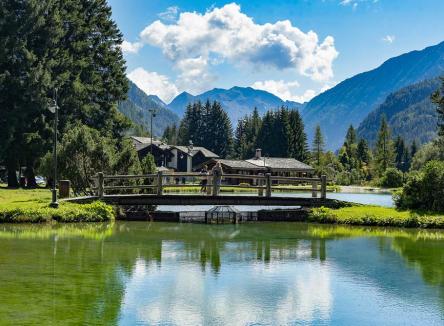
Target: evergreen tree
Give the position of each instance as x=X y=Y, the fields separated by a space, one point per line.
x=384 y=153
x=240 y=141
x=265 y=135
x=402 y=155
x=220 y=137
x=318 y=145
x=438 y=99
x=281 y=134
x=363 y=152
x=413 y=148
x=298 y=147
x=351 y=137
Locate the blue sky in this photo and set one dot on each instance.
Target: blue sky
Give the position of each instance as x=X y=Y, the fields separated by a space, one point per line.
x=294 y=48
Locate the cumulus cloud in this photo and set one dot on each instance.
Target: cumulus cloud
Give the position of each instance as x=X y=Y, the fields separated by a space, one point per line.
x=229 y=35
x=285 y=90
x=170 y=14
x=389 y=39
x=153 y=83
x=128 y=47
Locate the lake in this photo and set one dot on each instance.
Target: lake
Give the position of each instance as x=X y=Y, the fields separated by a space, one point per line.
x=129 y=273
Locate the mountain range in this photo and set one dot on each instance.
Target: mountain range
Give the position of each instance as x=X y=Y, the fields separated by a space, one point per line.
x=399 y=88
x=236 y=101
x=352 y=100
x=136 y=107
x=410 y=114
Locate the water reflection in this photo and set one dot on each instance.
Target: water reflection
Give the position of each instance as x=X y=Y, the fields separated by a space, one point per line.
x=274 y=273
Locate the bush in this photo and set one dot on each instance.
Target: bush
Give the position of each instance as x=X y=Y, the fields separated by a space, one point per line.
x=392 y=178
x=66 y=213
x=424 y=189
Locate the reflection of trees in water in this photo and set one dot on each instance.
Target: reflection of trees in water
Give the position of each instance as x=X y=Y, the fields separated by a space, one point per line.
x=426 y=256
x=76 y=274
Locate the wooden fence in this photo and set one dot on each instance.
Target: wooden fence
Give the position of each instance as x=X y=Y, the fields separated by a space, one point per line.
x=155 y=184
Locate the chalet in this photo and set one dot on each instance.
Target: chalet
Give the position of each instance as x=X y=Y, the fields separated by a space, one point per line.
x=177 y=158
x=277 y=166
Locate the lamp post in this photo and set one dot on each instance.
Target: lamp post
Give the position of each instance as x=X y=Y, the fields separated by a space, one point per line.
x=153 y=115
x=54 y=108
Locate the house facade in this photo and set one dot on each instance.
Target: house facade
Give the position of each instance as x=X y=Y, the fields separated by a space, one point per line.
x=176 y=158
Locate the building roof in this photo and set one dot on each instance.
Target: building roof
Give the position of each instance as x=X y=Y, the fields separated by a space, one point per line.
x=279 y=163
x=145 y=140
x=238 y=164
x=196 y=149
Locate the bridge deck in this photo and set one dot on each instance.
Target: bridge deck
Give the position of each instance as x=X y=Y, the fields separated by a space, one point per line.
x=144 y=199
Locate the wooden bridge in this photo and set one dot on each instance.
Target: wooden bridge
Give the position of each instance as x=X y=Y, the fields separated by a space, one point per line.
x=155 y=189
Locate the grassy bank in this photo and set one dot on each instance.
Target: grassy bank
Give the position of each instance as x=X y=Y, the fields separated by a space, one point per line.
x=376 y=216
x=32 y=206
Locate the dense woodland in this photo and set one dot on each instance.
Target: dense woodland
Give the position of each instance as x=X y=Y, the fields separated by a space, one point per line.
x=67 y=50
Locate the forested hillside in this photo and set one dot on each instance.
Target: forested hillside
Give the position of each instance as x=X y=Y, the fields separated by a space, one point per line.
x=136 y=108
x=410 y=114
x=353 y=99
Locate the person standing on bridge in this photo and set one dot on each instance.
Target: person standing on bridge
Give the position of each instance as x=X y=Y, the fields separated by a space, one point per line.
x=217 y=173
x=204 y=182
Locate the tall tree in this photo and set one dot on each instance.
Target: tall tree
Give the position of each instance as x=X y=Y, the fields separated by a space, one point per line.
x=363 y=152
x=298 y=147
x=318 y=145
x=265 y=135
x=220 y=137
x=384 y=152
x=438 y=99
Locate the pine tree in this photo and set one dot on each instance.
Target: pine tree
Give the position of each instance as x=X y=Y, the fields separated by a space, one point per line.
x=384 y=153
x=240 y=141
x=318 y=145
x=363 y=152
x=220 y=139
x=438 y=99
x=298 y=147
x=413 y=148
x=265 y=135
x=281 y=134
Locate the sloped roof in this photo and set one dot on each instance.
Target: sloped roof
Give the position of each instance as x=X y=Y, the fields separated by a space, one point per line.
x=238 y=164
x=280 y=163
x=145 y=140
x=195 y=150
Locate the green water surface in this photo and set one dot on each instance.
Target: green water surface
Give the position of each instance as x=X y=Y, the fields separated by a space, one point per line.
x=252 y=274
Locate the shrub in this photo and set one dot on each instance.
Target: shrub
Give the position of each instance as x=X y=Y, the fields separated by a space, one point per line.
x=67 y=213
x=424 y=189
x=392 y=178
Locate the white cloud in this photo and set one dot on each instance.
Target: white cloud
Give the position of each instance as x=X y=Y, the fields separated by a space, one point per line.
x=153 y=83
x=389 y=39
x=128 y=47
x=170 y=14
x=285 y=90
x=229 y=35
x=354 y=3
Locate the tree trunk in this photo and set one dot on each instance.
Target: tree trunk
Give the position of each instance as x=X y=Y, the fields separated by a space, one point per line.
x=30 y=177
x=12 y=174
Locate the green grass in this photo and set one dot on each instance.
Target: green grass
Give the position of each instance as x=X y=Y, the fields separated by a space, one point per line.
x=376 y=216
x=22 y=206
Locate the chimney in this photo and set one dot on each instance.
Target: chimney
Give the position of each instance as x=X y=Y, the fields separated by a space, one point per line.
x=258 y=154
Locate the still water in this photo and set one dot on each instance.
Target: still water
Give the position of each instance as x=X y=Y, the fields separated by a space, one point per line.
x=251 y=274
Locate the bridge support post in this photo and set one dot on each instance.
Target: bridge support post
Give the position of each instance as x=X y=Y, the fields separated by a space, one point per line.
x=314 y=189
x=268 y=185
x=323 y=186
x=100 y=185
x=159 y=183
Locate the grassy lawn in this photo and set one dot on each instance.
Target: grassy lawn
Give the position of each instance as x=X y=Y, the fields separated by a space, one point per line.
x=23 y=205
x=377 y=216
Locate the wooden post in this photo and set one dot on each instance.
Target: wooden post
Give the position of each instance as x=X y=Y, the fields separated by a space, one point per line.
x=268 y=184
x=323 y=186
x=159 y=183
x=314 y=188
x=260 y=183
x=64 y=188
x=100 y=185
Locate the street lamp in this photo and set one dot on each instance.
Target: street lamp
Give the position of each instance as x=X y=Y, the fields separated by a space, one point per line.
x=54 y=108
x=153 y=115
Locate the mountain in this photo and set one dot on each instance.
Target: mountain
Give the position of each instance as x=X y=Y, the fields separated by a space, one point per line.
x=409 y=112
x=237 y=101
x=353 y=99
x=136 y=109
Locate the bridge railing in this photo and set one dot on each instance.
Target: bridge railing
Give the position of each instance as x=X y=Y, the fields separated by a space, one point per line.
x=211 y=185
